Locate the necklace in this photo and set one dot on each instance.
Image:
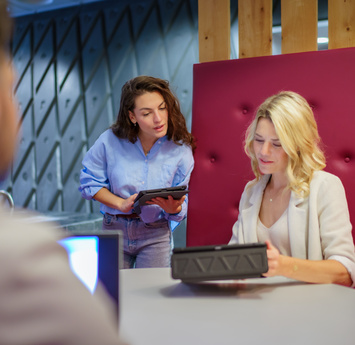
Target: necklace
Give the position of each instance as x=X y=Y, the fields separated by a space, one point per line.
x=273 y=197
x=278 y=190
x=281 y=194
x=145 y=150
x=146 y=145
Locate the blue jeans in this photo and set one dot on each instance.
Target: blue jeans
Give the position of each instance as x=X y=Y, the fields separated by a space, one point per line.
x=145 y=245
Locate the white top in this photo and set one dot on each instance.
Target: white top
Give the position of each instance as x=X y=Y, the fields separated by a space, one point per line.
x=277 y=234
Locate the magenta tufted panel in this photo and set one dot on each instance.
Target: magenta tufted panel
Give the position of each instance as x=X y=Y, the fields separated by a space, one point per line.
x=225 y=97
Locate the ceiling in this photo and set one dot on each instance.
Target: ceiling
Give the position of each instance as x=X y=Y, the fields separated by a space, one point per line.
x=26 y=7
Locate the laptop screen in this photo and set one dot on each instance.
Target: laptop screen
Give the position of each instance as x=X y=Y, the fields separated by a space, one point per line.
x=96 y=255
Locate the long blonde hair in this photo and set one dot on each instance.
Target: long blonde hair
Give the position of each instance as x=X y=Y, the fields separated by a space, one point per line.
x=297 y=131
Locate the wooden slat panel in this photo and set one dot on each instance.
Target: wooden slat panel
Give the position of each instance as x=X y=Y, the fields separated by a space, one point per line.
x=214 y=30
x=255 y=28
x=341 y=24
x=299 y=25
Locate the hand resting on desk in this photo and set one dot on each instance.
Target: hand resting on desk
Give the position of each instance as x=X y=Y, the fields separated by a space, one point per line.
x=328 y=271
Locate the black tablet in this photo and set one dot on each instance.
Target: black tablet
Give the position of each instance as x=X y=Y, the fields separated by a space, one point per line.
x=234 y=261
x=149 y=194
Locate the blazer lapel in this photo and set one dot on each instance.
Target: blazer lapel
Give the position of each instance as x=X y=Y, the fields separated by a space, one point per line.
x=297 y=227
x=251 y=214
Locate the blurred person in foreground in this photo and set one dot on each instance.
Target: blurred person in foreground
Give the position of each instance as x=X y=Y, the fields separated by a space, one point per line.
x=41 y=300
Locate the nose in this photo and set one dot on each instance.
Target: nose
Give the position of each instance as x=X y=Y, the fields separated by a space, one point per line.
x=265 y=149
x=157 y=117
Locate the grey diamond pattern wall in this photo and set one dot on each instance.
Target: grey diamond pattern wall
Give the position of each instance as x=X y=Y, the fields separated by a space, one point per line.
x=71 y=65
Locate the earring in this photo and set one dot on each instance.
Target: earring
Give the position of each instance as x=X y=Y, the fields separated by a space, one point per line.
x=134 y=124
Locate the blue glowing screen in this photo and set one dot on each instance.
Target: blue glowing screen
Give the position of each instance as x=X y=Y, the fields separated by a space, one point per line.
x=83 y=258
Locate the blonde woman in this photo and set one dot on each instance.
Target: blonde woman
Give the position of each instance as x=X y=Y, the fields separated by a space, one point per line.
x=296 y=208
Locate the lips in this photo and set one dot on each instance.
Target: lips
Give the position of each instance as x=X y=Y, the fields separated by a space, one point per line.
x=265 y=162
x=159 y=128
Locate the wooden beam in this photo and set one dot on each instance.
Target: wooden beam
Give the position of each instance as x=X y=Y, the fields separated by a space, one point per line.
x=255 y=28
x=214 y=30
x=299 y=25
x=341 y=24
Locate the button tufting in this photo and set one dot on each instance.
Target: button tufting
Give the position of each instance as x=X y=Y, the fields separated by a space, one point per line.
x=347 y=159
x=212 y=159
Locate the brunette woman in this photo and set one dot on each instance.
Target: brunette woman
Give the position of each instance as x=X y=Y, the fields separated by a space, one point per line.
x=148 y=147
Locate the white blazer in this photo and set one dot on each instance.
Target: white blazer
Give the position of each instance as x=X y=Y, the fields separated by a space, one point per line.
x=319 y=225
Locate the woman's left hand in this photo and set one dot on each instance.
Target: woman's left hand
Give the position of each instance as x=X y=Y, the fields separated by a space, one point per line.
x=169 y=205
x=273 y=259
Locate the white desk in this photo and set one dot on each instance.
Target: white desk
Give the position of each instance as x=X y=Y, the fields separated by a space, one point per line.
x=157 y=310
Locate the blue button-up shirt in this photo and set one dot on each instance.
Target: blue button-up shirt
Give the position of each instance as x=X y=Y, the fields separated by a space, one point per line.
x=124 y=169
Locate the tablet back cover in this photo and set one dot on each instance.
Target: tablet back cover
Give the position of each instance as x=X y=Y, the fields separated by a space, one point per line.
x=238 y=261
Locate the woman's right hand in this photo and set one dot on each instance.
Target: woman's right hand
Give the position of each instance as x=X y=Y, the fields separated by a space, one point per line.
x=127 y=204
x=111 y=200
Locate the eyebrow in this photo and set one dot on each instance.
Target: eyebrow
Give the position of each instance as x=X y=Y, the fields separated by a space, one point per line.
x=260 y=136
x=151 y=108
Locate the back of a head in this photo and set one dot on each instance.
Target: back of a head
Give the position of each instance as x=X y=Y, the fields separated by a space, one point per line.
x=8 y=109
x=5 y=27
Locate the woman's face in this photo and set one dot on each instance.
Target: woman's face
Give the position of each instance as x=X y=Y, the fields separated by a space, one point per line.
x=268 y=150
x=151 y=115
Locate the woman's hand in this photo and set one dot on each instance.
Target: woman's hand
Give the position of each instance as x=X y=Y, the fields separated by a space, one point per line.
x=127 y=204
x=311 y=271
x=169 y=205
x=273 y=259
x=111 y=200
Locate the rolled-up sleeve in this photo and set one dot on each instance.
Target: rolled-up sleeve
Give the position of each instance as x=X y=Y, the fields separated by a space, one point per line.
x=93 y=176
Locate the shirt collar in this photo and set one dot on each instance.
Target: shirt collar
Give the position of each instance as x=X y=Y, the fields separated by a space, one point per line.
x=156 y=145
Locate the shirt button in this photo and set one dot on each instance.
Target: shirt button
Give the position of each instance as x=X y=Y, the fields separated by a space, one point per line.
x=142 y=182
x=146 y=160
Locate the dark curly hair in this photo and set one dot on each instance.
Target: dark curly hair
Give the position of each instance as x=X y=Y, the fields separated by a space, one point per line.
x=123 y=127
